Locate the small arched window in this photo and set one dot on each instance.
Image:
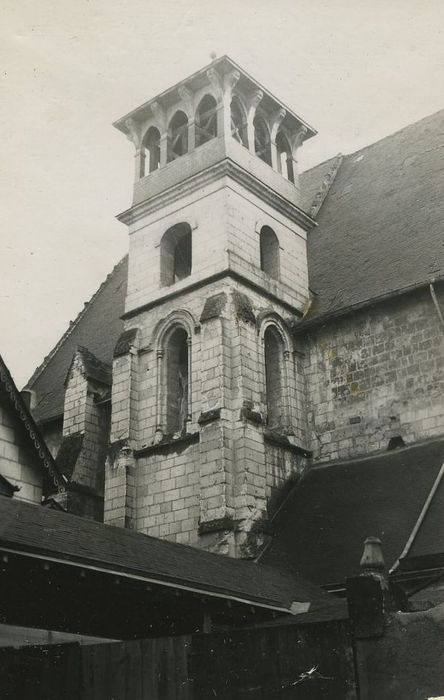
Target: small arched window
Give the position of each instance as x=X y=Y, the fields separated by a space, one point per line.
x=269 y=251
x=262 y=144
x=151 y=143
x=238 y=122
x=274 y=377
x=284 y=159
x=175 y=254
x=206 y=120
x=177 y=136
x=176 y=380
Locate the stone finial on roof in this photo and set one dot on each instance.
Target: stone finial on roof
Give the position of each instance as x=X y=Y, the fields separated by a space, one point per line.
x=372 y=561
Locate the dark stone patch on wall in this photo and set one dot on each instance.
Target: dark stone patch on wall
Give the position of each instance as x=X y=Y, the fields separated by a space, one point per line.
x=243 y=307
x=213 y=307
x=125 y=341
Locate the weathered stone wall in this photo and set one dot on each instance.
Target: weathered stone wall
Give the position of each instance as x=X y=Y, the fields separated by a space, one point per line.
x=406 y=663
x=215 y=478
x=167 y=494
x=376 y=374
x=181 y=486
x=16 y=460
x=225 y=221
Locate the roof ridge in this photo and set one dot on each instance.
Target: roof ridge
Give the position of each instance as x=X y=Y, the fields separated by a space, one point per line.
x=398 y=131
x=374 y=143
x=72 y=325
x=325 y=187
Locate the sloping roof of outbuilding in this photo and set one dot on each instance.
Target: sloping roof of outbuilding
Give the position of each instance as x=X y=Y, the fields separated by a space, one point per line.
x=14 y=404
x=62 y=537
x=321 y=528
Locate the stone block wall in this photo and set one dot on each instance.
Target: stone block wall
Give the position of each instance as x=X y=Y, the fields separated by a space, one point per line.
x=225 y=220
x=374 y=375
x=168 y=494
x=216 y=475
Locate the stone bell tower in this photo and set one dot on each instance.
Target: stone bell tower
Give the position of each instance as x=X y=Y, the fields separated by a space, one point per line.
x=208 y=418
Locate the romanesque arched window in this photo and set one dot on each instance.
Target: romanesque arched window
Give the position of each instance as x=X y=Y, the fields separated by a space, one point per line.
x=269 y=252
x=262 y=143
x=177 y=136
x=238 y=122
x=151 y=143
x=284 y=158
x=206 y=120
x=175 y=254
x=274 y=378
x=176 y=380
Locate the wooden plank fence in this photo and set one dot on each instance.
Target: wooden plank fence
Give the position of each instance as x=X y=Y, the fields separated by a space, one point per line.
x=307 y=663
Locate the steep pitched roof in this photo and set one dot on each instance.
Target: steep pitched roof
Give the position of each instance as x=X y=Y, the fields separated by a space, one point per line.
x=381 y=225
x=321 y=527
x=42 y=531
x=97 y=328
x=11 y=395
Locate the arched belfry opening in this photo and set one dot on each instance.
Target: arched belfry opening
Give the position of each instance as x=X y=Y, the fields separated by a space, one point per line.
x=175 y=254
x=262 y=143
x=269 y=252
x=238 y=122
x=206 y=120
x=176 y=380
x=151 y=144
x=177 y=136
x=284 y=156
x=274 y=378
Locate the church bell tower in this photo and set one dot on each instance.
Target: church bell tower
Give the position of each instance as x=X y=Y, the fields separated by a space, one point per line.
x=208 y=417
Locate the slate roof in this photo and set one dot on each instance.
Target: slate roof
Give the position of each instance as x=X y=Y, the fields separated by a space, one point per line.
x=321 y=527
x=381 y=226
x=29 y=528
x=380 y=230
x=427 y=546
x=11 y=397
x=97 y=328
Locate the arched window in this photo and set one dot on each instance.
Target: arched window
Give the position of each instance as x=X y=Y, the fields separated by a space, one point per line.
x=151 y=144
x=285 y=161
x=206 y=120
x=238 y=122
x=176 y=380
x=262 y=145
x=175 y=254
x=269 y=250
x=274 y=378
x=177 y=136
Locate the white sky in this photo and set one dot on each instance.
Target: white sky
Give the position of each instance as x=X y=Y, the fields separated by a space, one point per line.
x=355 y=70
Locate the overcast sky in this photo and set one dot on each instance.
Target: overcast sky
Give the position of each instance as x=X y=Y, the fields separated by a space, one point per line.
x=355 y=70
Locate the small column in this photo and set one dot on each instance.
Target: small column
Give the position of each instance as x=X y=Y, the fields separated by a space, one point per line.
x=191 y=136
x=275 y=157
x=255 y=98
x=223 y=89
x=139 y=170
x=163 y=150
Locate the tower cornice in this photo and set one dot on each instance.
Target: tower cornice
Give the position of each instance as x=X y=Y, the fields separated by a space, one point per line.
x=224 y=168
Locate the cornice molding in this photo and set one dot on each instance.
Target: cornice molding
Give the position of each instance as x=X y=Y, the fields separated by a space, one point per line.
x=227 y=272
x=223 y=168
